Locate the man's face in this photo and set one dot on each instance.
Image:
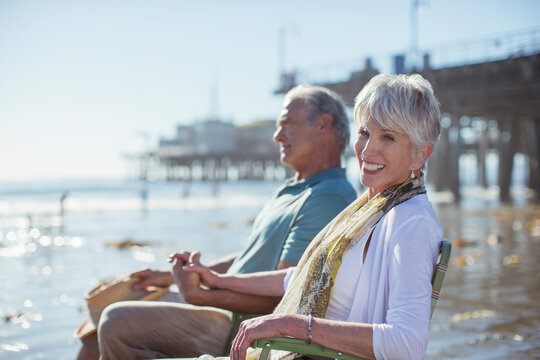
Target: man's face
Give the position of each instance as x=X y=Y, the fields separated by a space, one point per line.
x=296 y=138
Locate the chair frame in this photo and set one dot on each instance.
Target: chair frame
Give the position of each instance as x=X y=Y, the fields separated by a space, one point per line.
x=302 y=347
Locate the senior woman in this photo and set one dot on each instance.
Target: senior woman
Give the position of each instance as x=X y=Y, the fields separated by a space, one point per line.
x=364 y=283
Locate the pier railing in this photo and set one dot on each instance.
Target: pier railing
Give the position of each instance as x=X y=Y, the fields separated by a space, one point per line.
x=464 y=52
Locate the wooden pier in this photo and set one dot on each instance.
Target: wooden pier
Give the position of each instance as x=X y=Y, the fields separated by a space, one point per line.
x=489 y=107
x=497 y=104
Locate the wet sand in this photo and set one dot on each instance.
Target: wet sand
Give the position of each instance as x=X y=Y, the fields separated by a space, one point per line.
x=490 y=302
x=489 y=306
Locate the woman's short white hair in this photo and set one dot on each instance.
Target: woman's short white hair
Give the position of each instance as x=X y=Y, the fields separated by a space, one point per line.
x=320 y=100
x=401 y=103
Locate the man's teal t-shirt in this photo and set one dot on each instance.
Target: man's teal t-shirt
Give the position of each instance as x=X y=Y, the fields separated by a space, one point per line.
x=294 y=215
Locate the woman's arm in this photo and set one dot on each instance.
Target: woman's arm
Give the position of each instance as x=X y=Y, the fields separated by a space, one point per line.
x=412 y=256
x=350 y=338
x=267 y=283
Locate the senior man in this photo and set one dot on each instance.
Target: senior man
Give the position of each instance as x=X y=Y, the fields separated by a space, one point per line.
x=312 y=133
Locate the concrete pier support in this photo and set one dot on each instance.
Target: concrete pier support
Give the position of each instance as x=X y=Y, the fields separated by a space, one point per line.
x=506 y=157
x=533 y=132
x=481 y=158
x=454 y=153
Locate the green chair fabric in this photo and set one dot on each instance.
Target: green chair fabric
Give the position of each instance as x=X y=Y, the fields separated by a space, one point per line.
x=302 y=347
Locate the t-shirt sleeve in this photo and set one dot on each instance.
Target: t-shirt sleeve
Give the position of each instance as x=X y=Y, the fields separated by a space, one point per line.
x=318 y=210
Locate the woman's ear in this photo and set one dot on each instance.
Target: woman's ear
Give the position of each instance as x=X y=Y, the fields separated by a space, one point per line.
x=421 y=156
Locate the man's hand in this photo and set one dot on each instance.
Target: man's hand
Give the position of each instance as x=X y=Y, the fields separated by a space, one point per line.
x=189 y=284
x=150 y=279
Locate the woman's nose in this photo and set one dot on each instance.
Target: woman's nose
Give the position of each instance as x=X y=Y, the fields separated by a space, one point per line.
x=370 y=148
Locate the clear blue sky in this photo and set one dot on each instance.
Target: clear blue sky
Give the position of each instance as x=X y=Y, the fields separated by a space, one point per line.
x=81 y=80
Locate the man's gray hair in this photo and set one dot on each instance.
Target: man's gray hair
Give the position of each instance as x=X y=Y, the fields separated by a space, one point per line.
x=320 y=100
x=402 y=103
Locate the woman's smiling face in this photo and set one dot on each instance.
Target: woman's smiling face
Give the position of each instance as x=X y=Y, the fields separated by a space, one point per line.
x=385 y=157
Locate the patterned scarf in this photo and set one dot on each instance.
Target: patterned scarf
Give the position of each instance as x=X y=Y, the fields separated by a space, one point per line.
x=311 y=285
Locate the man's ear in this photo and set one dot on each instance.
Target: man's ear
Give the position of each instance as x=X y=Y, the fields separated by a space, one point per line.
x=325 y=122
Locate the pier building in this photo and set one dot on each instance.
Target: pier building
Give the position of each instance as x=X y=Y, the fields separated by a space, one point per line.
x=215 y=150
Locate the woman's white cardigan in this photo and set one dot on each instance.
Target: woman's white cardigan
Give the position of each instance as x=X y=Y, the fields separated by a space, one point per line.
x=393 y=291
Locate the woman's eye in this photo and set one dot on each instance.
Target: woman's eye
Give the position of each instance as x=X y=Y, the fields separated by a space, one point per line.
x=389 y=137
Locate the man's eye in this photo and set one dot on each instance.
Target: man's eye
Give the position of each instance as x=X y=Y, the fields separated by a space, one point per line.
x=389 y=137
x=363 y=133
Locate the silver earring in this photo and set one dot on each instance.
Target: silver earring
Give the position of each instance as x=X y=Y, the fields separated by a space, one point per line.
x=412 y=175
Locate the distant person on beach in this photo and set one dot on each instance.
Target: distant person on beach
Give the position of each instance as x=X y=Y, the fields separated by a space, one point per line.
x=363 y=286
x=312 y=133
x=62 y=199
x=144 y=196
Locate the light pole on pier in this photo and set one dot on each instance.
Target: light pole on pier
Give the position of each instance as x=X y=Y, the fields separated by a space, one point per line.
x=414 y=51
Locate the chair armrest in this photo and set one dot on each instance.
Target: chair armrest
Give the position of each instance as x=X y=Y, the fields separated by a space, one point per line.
x=299 y=346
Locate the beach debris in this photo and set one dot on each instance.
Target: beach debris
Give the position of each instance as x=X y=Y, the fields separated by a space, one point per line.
x=494 y=239
x=459 y=260
x=220 y=225
x=476 y=314
x=10 y=317
x=21 y=318
x=462 y=242
x=533 y=227
x=505 y=215
x=250 y=221
x=512 y=259
x=128 y=243
x=469 y=259
x=464 y=260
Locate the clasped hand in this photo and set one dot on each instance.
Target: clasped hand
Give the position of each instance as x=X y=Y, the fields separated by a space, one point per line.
x=193 y=278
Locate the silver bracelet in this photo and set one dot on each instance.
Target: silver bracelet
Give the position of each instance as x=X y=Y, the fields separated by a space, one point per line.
x=309 y=337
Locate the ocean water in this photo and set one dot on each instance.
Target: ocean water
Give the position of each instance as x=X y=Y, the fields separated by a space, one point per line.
x=49 y=257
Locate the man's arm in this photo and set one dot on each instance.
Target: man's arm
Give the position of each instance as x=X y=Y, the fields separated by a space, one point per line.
x=236 y=302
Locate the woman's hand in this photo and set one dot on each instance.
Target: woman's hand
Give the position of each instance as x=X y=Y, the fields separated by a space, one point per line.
x=268 y=326
x=208 y=277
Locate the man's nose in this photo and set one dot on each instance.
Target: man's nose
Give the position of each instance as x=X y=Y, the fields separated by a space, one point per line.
x=278 y=134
